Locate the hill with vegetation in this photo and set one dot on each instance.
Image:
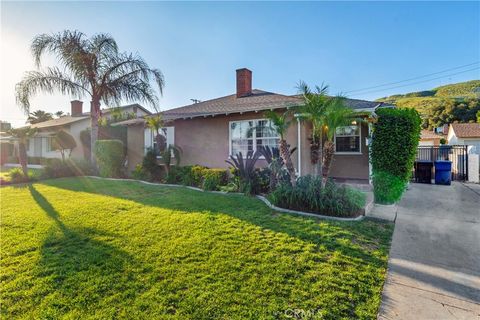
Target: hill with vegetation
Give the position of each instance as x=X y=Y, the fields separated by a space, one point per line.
x=458 y=102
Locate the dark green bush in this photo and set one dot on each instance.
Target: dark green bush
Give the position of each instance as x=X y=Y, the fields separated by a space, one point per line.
x=110 y=157
x=388 y=188
x=308 y=195
x=213 y=179
x=394 y=146
x=151 y=170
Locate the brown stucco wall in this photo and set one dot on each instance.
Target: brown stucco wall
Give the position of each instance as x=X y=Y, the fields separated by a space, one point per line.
x=205 y=141
x=135 y=145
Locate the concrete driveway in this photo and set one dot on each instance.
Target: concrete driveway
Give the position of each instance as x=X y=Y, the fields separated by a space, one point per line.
x=434 y=265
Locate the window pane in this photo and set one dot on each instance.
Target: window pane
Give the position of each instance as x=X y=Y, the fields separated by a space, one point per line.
x=347 y=131
x=347 y=144
x=242 y=145
x=265 y=129
x=242 y=129
x=270 y=142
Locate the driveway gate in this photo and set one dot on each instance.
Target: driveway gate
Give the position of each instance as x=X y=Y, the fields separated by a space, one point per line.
x=457 y=154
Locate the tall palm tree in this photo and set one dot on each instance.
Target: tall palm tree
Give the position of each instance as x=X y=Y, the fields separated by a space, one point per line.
x=39 y=116
x=22 y=135
x=313 y=110
x=91 y=67
x=280 y=123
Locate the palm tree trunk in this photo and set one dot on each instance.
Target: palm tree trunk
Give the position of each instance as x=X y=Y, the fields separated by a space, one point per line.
x=285 y=151
x=22 y=157
x=328 y=151
x=94 y=116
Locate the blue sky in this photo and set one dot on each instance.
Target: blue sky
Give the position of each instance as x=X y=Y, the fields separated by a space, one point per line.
x=198 y=45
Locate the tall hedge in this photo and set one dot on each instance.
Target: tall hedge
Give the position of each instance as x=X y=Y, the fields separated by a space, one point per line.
x=110 y=157
x=394 y=145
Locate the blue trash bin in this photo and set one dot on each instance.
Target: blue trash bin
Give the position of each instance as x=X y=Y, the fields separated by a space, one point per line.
x=443 y=172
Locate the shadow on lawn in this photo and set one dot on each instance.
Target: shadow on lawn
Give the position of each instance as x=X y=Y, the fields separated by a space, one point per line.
x=81 y=268
x=331 y=235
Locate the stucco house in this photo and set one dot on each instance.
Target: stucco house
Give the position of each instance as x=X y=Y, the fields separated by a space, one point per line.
x=209 y=132
x=74 y=123
x=465 y=134
x=429 y=138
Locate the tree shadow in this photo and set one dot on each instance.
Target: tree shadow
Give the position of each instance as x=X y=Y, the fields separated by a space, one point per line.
x=357 y=240
x=81 y=265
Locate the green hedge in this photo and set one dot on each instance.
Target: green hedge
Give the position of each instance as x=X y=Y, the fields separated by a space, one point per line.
x=394 y=146
x=198 y=176
x=110 y=157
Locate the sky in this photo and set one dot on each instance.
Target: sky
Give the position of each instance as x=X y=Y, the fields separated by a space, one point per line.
x=199 y=45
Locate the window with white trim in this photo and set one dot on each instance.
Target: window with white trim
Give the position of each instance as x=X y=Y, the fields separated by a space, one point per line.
x=347 y=139
x=249 y=135
x=49 y=144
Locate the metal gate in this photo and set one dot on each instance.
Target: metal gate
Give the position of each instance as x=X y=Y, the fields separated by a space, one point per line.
x=457 y=154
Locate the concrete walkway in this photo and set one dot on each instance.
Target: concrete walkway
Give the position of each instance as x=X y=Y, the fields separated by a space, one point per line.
x=434 y=265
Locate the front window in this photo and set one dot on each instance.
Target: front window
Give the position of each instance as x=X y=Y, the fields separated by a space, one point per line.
x=250 y=135
x=347 y=139
x=49 y=144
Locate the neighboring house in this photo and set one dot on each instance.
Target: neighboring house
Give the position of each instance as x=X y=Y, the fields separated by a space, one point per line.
x=429 y=138
x=465 y=134
x=210 y=132
x=77 y=121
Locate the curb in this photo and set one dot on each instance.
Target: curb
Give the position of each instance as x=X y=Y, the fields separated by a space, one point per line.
x=261 y=198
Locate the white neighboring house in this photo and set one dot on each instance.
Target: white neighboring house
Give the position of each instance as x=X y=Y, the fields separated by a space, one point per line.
x=465 y=134
x=76 y=122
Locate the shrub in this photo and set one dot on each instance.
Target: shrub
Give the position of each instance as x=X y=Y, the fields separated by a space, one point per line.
x=308 y=195
x=394 y=147
x=152 y=171
x=16 y=175
x=388 y=188
x=245 y=171
x=110 y=157
x=198 y=176
x=140 y=173
x=56 y=168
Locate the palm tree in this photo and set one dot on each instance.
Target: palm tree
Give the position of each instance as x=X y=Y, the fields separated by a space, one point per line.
x=155 y=123
x=336 y=115
x=280 y=124
x=22 y=135
x=59 y=114
x=39 y=116
x=91 y=67
x=313 y=110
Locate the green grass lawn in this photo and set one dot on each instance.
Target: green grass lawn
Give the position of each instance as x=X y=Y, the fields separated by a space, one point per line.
x=78 y=248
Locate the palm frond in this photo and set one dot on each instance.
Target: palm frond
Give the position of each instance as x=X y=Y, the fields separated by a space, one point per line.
x=50 y=81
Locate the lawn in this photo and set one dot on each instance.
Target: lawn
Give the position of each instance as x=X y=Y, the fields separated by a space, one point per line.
x=82 y=248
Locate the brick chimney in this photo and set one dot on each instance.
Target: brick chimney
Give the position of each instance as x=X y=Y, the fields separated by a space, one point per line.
x=244 y=82
x=77 y=108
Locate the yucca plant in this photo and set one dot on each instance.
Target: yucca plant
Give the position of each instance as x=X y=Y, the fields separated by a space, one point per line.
x=245 y=169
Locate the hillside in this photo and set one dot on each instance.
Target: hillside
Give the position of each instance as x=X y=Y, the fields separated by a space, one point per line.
x=445 y=104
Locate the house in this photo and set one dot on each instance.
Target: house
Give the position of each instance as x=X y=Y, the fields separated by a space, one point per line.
x=429 y=138
x=76 y=122
x=465 y=134
x=210 y=132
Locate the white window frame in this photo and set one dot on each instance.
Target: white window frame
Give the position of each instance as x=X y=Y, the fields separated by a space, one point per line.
x=359 y=152
x=152 y=139
x=253 y=134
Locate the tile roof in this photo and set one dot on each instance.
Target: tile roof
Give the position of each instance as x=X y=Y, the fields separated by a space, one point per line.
x=428 y=134
x=466 y=130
